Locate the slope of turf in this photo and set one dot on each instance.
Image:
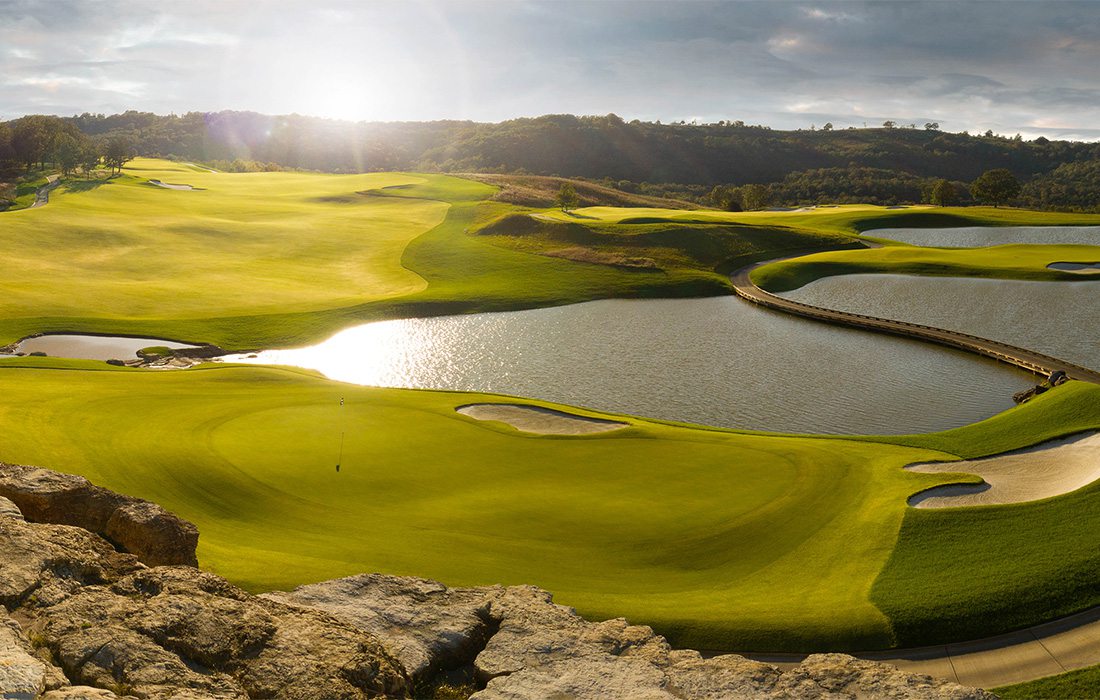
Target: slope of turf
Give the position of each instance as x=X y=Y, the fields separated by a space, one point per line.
x=721 y=539
x=963 y=573
x=123 y=255
x=845 y=218
x=1075 y=685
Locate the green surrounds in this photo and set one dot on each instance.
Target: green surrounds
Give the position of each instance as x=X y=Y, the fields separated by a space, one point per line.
x=1075 y=685
x=966 y=573
x=719 y=539
x=1015 y=261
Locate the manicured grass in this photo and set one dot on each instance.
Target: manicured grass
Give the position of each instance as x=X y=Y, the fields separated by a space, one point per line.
x=1076 y=685
x=845 y=219
x=964 y=573
x=1013 y=261
x=266 y=259
x=720 y=539
x=121 y=253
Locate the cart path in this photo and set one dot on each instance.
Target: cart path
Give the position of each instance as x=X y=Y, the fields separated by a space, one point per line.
x=1044 y=650
x=42 y=196
x=1027 y=359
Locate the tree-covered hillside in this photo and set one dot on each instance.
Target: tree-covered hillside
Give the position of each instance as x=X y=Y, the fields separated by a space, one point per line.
x=878 y=165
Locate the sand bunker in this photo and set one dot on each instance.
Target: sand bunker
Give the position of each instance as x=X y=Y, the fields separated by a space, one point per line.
x=170 y=186
x=535 y=419
x=1048 y=469
x=1079 y=268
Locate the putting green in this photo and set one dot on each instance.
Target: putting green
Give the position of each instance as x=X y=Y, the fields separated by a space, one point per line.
x=718 y=538
x=695 y=530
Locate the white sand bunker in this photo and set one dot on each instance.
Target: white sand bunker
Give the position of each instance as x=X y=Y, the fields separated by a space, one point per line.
x=1079 y=268
x=170 y=186
x=1048 y=469
x=535 y=419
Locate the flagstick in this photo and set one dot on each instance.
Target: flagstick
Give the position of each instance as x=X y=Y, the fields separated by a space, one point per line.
x=340 y=458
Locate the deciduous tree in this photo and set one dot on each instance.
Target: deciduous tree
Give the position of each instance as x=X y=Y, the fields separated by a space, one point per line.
x=118 y=152
x=944 y=194
x=567 y=197
x=995 y=186
x=755 y=197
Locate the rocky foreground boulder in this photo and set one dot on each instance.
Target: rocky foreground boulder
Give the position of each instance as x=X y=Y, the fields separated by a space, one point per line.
x=145 y=529
x=88 y=618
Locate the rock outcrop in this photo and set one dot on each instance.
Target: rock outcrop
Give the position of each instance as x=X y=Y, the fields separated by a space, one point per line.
x=86 y=621
x=520 y=645
x=104 y=619
x=144 y=529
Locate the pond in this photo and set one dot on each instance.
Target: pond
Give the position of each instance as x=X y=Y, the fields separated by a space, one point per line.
x=1055 y=318
x=716 y=361
x=981 y=236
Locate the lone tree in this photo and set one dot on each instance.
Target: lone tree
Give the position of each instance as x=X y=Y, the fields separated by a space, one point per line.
x=118 y=152
x=944 y=194
x=755 y=197
x=995 y=186
x=567 y=197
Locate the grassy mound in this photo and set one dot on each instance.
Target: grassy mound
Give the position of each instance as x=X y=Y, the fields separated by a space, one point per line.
x=541 y=191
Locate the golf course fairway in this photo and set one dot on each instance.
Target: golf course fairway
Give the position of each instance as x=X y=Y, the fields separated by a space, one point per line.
x=718 y=538
x=252 y=260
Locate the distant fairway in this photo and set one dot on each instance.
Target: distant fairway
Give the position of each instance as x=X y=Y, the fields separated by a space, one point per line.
x=243 y=244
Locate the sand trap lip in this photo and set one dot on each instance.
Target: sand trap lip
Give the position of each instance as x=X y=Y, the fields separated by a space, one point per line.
x=536 y=419
x=1079 y=268
x=1048 y=469
x=170 y=186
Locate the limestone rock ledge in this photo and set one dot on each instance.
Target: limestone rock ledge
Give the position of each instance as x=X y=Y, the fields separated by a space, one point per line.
x=145 y=529
x=86 y=621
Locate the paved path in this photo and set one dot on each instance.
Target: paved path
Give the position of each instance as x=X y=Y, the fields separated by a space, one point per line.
x=1021 y=357
x=42 y=196
x=1045 y=650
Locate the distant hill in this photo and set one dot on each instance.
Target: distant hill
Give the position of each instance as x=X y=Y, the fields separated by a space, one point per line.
x=880 y=165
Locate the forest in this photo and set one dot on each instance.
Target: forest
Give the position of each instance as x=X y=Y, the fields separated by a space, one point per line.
x=890 y=164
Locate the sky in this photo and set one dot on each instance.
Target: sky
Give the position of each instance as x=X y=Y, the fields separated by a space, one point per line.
x=1014 y=67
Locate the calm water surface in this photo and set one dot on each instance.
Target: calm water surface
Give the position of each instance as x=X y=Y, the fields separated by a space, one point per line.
x=1061 y=319
x=716 y=361
x=980 y=236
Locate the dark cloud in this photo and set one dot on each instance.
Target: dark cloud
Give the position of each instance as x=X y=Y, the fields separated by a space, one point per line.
x=1009 y=66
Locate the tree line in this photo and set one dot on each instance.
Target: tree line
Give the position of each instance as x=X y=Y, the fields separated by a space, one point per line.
x=37 y=140
x=867 y=186
x=887 y=165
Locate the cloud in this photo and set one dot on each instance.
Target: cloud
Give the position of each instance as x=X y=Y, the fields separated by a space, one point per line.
x=968 y=65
